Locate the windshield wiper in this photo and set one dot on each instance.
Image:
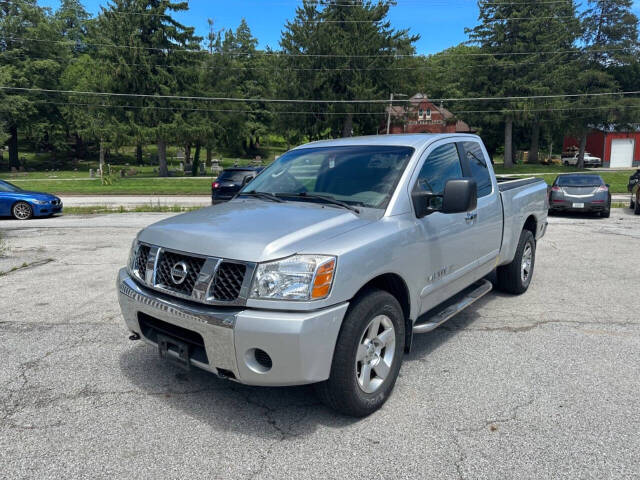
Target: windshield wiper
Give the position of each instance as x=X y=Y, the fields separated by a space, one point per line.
x=324 y=198
x=264 y=195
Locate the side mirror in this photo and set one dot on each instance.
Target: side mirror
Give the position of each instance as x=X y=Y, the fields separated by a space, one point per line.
x=246 y=179
x=460 y=196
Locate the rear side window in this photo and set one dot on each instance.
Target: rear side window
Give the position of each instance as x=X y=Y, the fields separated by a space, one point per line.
x=478 y=166
x=442 y=165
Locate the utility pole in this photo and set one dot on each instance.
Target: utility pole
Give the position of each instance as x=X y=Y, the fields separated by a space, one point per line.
x=389 y=113
x=391 y=108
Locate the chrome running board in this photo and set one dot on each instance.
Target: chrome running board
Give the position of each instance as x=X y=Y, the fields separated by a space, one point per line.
x=443 y=312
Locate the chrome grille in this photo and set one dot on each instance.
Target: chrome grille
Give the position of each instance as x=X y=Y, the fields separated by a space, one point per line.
x=167 y=261
x=228 y=281
x=141 y=260
x=210 y=280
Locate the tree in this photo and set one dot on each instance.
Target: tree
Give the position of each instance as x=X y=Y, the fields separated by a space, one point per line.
x=341 y=51
x=610 y=38
x=526 y=42
x=147 y=52
x=29 y=58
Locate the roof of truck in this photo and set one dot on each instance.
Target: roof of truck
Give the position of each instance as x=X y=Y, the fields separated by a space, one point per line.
x=415 y=140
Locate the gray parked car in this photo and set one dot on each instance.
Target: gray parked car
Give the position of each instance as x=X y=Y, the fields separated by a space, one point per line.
x=324 y=266
x=580 y=192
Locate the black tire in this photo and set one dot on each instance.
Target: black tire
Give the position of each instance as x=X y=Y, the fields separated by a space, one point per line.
x=342 y=391
x=636 y=208
x=631 y=203
x=510 y=277
x=606 y=213
x=21 y=211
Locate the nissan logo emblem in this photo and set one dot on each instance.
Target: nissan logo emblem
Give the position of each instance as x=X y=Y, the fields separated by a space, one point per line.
x=179 y=272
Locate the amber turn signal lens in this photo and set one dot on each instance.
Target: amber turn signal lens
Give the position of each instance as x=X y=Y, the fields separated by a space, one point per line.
x=322 y=282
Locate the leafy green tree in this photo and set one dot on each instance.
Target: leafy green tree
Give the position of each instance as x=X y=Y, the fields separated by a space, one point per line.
x=146 y=51
x=610 y=39
x=510 y=32
x=341 y=51
x=29 y=58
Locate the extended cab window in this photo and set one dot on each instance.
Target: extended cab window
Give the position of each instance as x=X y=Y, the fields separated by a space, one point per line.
x=442 y=165
x=479 y=169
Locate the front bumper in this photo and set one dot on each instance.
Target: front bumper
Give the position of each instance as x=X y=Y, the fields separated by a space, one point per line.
x=300 y=344
x=47 y=209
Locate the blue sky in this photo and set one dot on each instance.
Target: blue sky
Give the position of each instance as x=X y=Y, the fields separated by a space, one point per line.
x=440 y=23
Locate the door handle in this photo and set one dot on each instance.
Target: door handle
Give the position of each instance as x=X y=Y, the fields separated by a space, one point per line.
x=471 y=216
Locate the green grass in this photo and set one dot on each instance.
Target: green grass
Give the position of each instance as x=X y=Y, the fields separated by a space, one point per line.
x=500 y=169
x=122 y=186
x=617 y=179
x=99 y=209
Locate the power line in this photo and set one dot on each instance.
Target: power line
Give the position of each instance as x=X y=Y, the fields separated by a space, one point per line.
x=185 y=109
x=323 y=55
x=323 y=101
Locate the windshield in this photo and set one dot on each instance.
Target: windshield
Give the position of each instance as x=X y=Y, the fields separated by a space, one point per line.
x=579 y=181
x=356 y=175
x=8 y=187
x=235 y=176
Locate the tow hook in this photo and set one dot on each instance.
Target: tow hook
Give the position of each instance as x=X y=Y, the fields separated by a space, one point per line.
x=134 y=336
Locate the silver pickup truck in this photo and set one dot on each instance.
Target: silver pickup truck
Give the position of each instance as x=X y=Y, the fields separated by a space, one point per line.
x=324 y=266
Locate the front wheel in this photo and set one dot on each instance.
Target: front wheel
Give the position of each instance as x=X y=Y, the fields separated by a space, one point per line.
x=515 y=277
x=636 y=208
x=22 y=211
x=367 y=357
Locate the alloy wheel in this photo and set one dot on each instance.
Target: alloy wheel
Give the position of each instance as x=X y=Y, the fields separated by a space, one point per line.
x=375 y=355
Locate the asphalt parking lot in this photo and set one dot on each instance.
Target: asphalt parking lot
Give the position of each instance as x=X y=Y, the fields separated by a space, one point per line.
x=544 y=385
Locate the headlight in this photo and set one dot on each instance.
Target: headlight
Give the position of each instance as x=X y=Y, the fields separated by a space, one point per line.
x=40 y=202
x=300 y=277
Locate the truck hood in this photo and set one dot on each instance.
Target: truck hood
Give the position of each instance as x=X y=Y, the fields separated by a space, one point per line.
x=253 y=230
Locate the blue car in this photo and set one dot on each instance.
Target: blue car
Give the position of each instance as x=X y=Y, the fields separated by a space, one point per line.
x=23 y=204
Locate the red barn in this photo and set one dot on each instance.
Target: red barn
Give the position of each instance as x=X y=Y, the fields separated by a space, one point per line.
x=616 y=149
x=420 y=115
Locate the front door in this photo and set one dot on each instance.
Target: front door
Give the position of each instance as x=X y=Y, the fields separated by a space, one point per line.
x=447 y=253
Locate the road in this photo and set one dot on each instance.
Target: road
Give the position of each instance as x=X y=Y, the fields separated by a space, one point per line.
x=544 y=385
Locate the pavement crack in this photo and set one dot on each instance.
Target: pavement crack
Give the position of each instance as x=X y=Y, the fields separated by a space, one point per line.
x=526 y=328
x=26 y=265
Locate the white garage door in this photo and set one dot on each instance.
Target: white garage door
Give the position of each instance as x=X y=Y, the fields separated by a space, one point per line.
x=622 y=152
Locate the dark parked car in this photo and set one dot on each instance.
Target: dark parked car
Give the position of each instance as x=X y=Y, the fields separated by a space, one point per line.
x=23 y=204
x=579 y=192
x=634 y=188
x=230 y=181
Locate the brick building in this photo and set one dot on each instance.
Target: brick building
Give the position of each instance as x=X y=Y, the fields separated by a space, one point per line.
x=420 y=115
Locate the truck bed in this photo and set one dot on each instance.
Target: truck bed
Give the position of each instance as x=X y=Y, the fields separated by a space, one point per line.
x=521 y=198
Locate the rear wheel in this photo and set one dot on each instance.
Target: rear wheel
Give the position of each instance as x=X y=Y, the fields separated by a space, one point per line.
x=22 y=211
x=515 y=277
x=636 y=208
x=606 y=213
x=367 y=357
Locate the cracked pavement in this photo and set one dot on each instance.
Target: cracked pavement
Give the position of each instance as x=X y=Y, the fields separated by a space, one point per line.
x=544 y=385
